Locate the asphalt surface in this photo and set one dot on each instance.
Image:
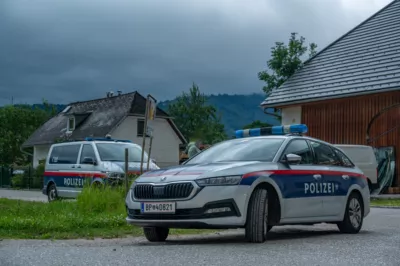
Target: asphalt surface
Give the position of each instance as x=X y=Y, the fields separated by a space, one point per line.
x=29 y=195
x=377 y=244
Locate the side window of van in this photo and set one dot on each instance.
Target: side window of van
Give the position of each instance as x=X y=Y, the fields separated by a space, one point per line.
x=87 y=151
x=346 y=161
x=66 y=154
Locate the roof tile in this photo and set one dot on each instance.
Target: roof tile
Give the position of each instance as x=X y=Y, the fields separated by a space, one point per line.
x=365 y=60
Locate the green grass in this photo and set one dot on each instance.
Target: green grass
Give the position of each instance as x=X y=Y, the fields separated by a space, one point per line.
x=95 y=213
x=385 y=202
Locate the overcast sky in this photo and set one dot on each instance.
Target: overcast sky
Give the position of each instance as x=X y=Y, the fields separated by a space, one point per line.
x=71 y=50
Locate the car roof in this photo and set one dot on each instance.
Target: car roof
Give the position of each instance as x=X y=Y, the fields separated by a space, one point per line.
x=93 y=141
x=289 y=136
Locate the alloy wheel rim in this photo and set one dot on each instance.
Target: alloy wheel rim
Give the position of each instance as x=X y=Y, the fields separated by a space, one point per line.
x=355 y=213
x=52 y=194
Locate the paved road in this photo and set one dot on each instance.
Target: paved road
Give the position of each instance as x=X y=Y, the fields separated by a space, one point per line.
x=31 y=195
x=377 y=244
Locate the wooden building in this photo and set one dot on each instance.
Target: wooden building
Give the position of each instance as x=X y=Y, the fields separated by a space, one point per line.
x=338 y=92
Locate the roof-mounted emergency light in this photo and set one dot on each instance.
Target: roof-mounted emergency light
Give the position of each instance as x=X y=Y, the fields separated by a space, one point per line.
x=106 y=139
x=275 y=130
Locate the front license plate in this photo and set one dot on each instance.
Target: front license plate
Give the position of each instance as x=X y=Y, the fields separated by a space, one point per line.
x=158 y=207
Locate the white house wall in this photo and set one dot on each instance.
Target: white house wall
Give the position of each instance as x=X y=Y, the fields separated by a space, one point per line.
x=165 y=147
x=39 y=153
x=291 y=115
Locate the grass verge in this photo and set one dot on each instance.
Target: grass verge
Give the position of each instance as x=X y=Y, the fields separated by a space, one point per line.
x=95 y=213
x=385 y=202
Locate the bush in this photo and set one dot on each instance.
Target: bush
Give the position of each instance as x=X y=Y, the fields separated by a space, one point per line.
x=37 y=179
x=18 y=181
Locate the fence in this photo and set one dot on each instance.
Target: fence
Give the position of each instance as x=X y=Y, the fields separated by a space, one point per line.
x=21 y=177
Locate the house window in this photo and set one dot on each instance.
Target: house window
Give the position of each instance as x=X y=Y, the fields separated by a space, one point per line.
x=140 y=127
x=71 y=124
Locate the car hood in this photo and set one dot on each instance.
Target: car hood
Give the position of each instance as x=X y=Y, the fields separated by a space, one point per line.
x=133 y=167
x=192 y=172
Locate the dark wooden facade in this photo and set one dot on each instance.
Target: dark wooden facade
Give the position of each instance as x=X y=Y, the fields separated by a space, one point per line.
x=345 y=121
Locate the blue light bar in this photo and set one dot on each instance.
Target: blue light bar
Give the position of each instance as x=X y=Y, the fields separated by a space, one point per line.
x=275 y=130
x=106 y=139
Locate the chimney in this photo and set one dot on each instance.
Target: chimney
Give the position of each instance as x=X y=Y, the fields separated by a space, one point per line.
x=119 y=93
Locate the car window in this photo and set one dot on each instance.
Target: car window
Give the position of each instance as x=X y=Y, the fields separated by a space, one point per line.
x=301 y=148
x=325 y=154
x=245 y=149
x=87 y=151
x=345 y=160
x=112 y=152
x=65 y=154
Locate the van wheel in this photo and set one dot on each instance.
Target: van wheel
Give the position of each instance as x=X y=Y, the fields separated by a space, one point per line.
x=156 y=234
x=354 y=215
x=52 y=193
x=257 y=217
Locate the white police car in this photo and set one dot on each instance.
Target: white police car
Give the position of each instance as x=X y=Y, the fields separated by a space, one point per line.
x=263 y=178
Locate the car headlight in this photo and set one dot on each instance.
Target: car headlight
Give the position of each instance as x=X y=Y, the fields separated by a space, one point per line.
x=219 y=181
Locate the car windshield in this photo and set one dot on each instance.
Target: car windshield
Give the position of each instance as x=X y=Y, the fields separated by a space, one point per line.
x=115 y=152
x=246 y=149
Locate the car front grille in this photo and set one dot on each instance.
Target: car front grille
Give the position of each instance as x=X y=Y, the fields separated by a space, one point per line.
x=169 y=191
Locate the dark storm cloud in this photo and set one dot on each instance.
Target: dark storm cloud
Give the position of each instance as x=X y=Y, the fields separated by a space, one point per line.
x=75 y=50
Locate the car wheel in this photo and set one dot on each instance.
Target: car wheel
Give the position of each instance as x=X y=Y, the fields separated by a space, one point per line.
x=354 y=215
x=156 y=234
x=52 y=193
x=257 y=217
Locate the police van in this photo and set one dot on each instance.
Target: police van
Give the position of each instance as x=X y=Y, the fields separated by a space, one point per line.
x=364 y=157
x=95 y=160
x=265 y=177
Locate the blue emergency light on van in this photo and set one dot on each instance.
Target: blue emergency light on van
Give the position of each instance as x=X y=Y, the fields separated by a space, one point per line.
x=274 y=130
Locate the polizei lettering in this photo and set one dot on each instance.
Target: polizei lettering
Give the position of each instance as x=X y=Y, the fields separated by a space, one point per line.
x=73 y=182
x=320 y=188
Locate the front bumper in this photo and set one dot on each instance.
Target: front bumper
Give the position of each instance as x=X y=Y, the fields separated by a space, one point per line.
x=192 y=213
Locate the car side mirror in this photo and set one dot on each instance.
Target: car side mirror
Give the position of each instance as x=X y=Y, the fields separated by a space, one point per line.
x=292 y=158
x=89 y=160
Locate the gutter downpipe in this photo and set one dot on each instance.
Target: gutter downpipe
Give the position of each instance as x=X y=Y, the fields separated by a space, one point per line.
x=22 y=150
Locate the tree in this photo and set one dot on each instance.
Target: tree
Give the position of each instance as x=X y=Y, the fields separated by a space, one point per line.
x=195 y=118
x=17 y=124
x=285 y=61
x=256 y=124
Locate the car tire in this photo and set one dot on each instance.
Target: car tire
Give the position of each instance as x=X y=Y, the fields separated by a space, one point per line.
x=156 y=234
x=353 y=216
x=257 y=217
x=52 y=193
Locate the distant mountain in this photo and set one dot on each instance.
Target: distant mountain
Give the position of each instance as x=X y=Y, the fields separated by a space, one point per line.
x=236 y=110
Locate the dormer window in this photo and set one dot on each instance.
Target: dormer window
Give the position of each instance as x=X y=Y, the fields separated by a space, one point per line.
x=71 y=123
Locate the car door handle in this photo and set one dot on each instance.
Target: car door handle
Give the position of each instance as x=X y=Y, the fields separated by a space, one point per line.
x=73 y=166
x=345 y=177
x=317 y=177
x=78 y=166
